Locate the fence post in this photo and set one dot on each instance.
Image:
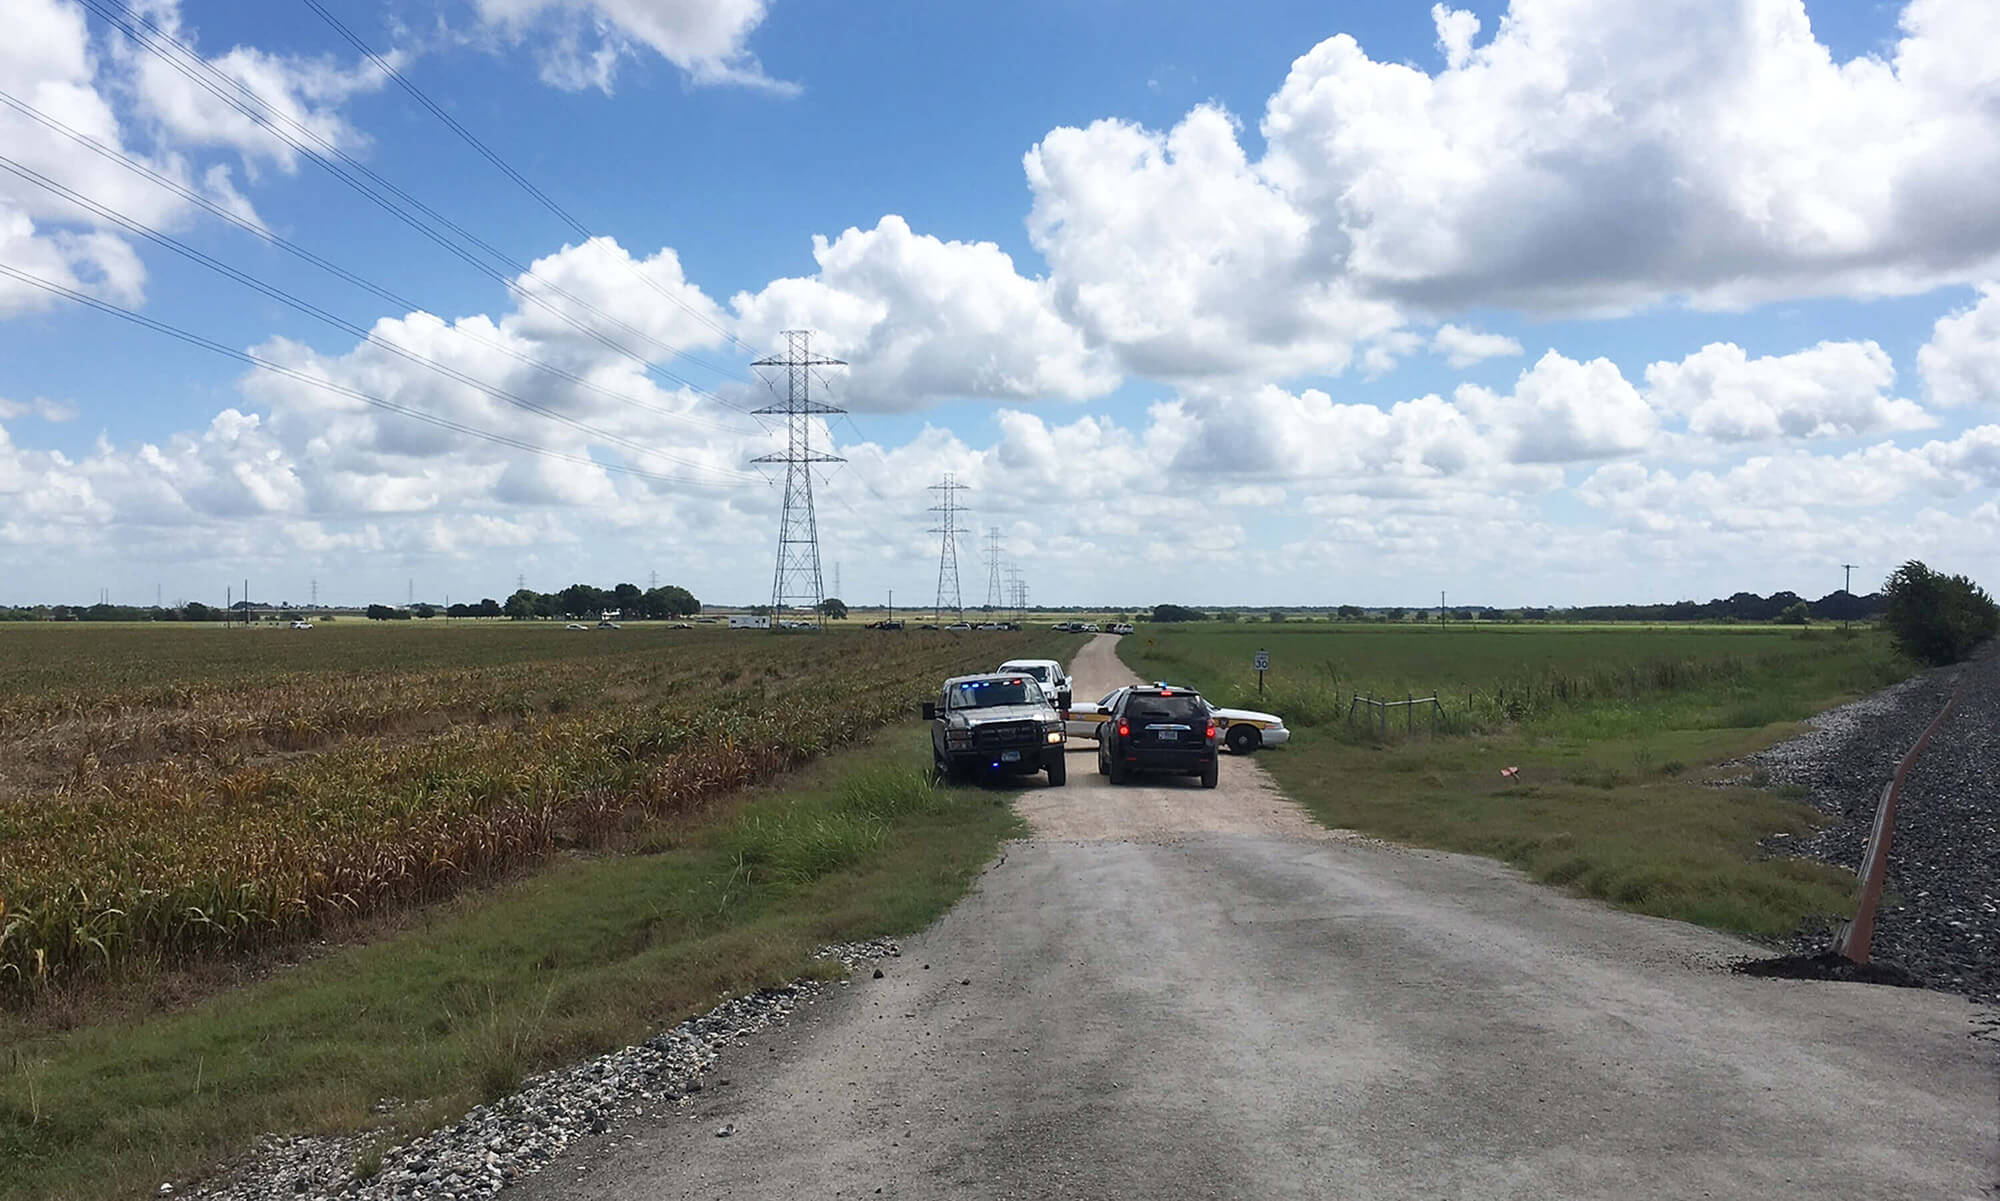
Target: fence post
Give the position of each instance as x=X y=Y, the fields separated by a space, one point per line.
x=1409 y=714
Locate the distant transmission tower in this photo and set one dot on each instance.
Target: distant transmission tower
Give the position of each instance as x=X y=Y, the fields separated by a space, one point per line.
x=993 y=596
x=949 y=530
x=836 y=579
x=796 y=580
x=1017 y=593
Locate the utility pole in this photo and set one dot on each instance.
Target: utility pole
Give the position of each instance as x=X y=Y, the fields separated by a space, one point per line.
x=796 y=578
x=949 y=530
x=892 y=606
x=1848 y=588
x=1440 y=608
x=994 y=597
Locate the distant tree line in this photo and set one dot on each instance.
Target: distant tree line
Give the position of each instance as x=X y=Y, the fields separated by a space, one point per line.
x=585 y=600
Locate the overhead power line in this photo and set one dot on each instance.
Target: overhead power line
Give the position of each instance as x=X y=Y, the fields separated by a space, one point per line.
x=336 y=270
x=198 y=71
x=289 y=300
x=254 y=360
x=506 y=169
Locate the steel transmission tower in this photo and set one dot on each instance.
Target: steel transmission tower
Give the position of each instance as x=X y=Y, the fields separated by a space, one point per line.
x=796 y=581
x=949 y=529
x=993 y=597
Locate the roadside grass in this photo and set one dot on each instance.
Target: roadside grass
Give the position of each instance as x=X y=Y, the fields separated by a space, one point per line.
x=1616 y=795
x=480 y=992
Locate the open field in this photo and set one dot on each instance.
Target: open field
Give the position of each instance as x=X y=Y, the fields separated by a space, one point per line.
x=1613 y=731
x=592 y=952
x=188 y=794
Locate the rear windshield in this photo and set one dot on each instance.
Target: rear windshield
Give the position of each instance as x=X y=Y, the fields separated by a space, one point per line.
x=985 y=694
x=1179 y=708
x=1040 y=673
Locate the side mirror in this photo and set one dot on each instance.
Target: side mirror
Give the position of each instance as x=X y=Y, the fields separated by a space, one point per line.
x=930 y=710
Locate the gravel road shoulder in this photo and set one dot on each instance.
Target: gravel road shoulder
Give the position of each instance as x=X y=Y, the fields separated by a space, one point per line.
x=1941 y=918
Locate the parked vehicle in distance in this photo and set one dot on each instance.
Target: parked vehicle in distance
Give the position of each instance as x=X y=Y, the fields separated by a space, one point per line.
x=1122 y=627
x=1086 y=627
x=1046 y=672
x=1243 y=730
x=302 y=625
x=998 y=724
x=609 y=625
x=885 y=624
x=575 y=626
x=739 y=621
x=959 y=625
x=1157 y=729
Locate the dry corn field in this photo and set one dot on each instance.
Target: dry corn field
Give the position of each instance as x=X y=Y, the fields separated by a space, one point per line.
x=169 y=793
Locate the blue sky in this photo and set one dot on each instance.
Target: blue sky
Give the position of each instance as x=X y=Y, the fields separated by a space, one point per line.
x=1199 y=373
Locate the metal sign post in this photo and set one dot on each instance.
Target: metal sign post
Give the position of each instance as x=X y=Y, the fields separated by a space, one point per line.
x=1263 y=664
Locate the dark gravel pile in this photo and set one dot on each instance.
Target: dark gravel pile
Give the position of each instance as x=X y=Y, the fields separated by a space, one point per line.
x=1941 y=919
x=525 y=1133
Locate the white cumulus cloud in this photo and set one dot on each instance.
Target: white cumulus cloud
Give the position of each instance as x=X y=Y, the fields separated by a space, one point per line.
x=581 y=43
x=1961 y=362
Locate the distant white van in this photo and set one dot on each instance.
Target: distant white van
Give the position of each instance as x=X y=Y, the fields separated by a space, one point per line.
x=302 y=625
x=739 y=621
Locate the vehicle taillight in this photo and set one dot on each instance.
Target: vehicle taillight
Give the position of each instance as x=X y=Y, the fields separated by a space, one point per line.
x=1124 y=731
x=1211 y=729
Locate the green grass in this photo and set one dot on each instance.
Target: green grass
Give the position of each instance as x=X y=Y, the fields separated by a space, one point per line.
x=476 y=994
x=1614 y=737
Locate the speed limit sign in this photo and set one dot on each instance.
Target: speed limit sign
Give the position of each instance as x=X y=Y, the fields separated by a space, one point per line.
x=1263 y=661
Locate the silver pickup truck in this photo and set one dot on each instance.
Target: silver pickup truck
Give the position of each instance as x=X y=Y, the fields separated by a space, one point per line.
x=1000 y=724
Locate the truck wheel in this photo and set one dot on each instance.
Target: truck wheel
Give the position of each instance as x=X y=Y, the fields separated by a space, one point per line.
x=940 y=767
x=1116 y=771
x=1103 y=764
x=1058 y=770
x=1211 y=774
x=1244 y=739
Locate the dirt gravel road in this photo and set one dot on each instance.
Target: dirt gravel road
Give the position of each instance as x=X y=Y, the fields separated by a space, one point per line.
x=1175 y=992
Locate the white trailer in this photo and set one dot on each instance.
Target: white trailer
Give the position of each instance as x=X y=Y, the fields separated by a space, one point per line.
x=738 y=621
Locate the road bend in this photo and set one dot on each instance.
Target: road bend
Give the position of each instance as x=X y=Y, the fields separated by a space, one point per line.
x=1167 y=991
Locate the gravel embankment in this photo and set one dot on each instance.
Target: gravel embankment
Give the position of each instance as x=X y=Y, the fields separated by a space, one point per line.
x=1941 y=920
x=527 y=1132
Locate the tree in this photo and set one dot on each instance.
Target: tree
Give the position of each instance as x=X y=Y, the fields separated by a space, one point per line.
x=1177 y=613
x=1274 y=617
x=581 y=600
x=489 y=608
x=523 y=605
x=627 y=598
x=384 y=613
x=425 y=611
x=288 y=615
x=1392 y=614
x=1348 y=612
x=1796 y=614
x=1937 y=618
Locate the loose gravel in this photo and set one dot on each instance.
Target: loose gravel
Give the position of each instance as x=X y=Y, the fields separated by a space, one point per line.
x=1941 y=918
x=525 y=1133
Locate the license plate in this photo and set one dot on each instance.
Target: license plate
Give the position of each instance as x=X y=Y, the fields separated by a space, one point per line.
x=1010 y=756
x=1170 y=735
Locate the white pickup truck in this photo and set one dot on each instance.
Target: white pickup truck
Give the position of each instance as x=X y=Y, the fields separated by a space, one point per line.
x=1046 y=672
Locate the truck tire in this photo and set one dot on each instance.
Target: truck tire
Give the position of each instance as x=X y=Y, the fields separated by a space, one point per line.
x=940 y=767
x=1211 y=774
x=1244 y=739
x=1116 y=770
x=1058 y=768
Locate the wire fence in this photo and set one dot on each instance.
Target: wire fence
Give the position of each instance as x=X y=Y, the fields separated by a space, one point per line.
x=1374 y=712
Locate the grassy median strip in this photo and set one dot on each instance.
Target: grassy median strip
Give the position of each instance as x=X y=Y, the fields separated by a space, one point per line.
x=587 y=955
x=1602 y=778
